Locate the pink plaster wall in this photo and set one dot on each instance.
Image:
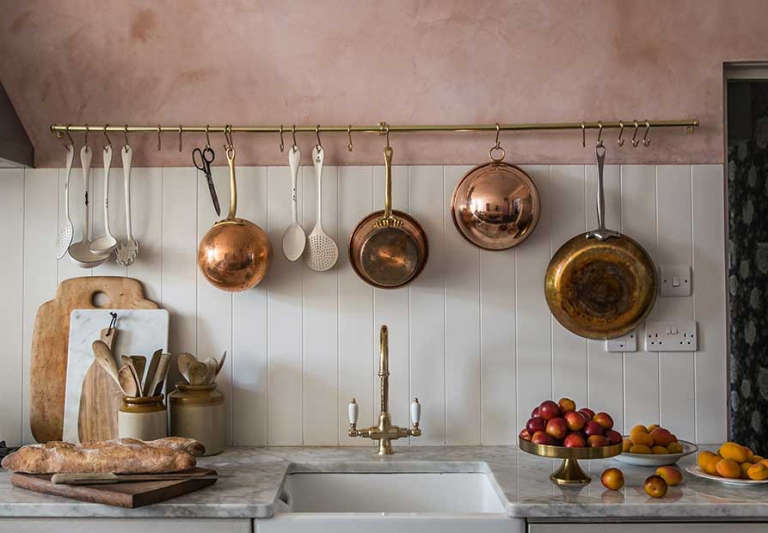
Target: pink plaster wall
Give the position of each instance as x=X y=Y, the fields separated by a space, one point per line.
x=364 y=61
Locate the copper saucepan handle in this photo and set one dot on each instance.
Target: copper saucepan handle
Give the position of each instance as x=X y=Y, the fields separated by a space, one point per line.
x=388 y=182
x=230 y=151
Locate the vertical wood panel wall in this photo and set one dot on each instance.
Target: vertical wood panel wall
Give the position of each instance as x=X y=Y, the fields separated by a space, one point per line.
x=472 y=337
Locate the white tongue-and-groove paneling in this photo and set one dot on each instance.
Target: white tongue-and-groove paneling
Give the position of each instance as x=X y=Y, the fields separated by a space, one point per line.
x=472 y=337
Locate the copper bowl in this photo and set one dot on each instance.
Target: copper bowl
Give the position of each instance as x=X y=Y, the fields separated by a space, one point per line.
x=234 y=255
x=495 y=206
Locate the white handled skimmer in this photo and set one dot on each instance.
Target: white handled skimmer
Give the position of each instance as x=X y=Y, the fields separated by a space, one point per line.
x=322 y=252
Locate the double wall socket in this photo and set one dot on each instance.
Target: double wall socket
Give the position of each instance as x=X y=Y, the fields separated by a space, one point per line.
x=671 y=336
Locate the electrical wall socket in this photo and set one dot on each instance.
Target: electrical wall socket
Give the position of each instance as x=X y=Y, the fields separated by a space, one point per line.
x=671 y=336
x=675 y=280
x=625 y=343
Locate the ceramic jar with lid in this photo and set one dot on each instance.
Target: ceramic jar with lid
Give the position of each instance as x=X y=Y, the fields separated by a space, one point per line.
x=142 y=418
x=197 y=412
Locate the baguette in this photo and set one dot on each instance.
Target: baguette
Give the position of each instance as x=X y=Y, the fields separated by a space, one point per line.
x=129 y=456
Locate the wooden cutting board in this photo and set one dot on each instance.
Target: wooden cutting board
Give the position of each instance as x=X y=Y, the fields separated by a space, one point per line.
x=48 y=364
x=119 y=494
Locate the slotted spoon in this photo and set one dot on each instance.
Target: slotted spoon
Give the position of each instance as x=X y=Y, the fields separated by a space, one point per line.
x=294 y=238
x=322 y=252
x=66 y=229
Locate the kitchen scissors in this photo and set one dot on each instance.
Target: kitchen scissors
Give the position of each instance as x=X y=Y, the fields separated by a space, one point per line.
x=202 y=160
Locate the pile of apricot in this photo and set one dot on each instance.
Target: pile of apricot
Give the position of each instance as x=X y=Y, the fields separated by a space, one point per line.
x=734 y=461
x=652 y=439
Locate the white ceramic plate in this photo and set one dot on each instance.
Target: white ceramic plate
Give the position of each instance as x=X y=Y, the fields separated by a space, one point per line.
x=652 y=459
x=696 y=471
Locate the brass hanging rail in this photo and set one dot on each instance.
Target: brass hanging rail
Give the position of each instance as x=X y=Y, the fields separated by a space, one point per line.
x=381 y=128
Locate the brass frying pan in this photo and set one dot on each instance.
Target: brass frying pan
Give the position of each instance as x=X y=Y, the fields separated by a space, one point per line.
x=388 y=248
x=600 y=284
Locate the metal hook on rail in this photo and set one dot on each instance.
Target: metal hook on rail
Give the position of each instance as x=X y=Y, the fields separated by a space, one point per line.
x=635 y=140
x=282 y=143
x=207 y=137
x=180 y=141
x=646 y=140
x=69 y=137
x=349 y=136
x=497 y=147
x=600 y=134
x=125 y=134
x=583 y=135
x=317 y=134
x=159 y=142
x=85 y=140
x=293 y=136
x=106 y=136
x=620 y=141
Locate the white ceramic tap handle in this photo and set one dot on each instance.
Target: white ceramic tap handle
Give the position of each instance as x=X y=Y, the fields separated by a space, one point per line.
x=415 y=412
x=352 y=412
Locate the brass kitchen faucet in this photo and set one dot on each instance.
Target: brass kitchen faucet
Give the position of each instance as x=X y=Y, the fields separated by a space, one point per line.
x=385 y=432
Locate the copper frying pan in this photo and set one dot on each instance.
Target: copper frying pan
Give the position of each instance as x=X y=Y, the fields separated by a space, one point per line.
x=600 y=284
x=388 y=248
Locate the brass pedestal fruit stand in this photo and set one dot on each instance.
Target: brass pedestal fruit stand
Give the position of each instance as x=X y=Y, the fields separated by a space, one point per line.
x=570 y=473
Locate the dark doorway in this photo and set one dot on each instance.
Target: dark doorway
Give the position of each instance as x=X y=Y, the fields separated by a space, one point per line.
x=747 y=119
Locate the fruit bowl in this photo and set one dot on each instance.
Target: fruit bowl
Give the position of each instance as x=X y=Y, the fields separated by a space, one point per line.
x=697 y=471
x=660 y=459
x=569 y=473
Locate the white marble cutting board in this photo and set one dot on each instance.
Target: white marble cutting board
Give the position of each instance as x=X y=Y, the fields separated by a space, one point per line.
x=140 y=332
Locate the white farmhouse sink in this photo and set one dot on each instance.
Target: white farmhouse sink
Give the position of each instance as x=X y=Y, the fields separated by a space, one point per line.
x=386 y=502
x=392 y=493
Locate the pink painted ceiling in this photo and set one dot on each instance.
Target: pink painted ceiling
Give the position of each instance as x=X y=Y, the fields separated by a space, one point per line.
x=365 y=61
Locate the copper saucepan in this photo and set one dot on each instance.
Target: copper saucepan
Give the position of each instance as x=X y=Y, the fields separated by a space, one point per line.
x=235 y=253
x=600 y=284
x=496 y=205
x=388 y=248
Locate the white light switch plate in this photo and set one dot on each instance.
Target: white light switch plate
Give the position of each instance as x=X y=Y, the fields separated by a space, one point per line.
x=671 y=336
x=675 y=280
x=625 y=343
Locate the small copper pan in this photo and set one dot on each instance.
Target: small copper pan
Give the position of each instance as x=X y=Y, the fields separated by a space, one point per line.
x=388 y=248
x=495 y=206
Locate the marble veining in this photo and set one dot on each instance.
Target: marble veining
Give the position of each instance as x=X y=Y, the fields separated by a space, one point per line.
x=251 y=479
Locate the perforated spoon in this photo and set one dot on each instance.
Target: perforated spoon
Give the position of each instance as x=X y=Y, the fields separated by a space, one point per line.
x=322 y=252
x=64 y=237
x=80 y=252
x=107 y=243
x=294 y=238
x=128 y=250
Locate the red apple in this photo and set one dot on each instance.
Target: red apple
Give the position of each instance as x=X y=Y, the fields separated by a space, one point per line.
x=541 y=437
x=535 y=412
x=574 y=420
x=525 y=435
x=536 y=424
x=574 y=440
x=597 y=441
x=614 y=437
x=593 y=428
x=587 y=413
x=557 y=428
x=566 y=404
x=548 y=409
x=604 y=419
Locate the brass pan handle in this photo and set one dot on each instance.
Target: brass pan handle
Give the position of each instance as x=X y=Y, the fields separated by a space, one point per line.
x=601 y=233
x=387 y=220
x=230 y=151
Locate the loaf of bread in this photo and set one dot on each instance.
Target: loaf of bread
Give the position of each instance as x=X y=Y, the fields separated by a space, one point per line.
x=128 y=456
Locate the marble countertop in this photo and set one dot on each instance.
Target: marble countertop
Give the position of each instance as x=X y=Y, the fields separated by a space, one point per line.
x=250 y=480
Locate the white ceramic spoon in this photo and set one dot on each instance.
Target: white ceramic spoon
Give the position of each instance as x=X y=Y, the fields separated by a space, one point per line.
x=128 y=250
x=64 y=237
x=80 y=251
x=107 y=243
x=322 y=252
x=294 y=238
